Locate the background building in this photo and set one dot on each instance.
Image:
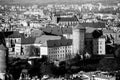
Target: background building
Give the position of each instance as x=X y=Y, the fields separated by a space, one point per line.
x=57 y=49
x=63 y=19
x=99 y=46
x=78 y=39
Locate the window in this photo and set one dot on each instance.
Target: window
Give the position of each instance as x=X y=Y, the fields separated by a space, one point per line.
x=97 y=51
x=65 y=50
x=100 y=47
x=101 y=42
x=69 y=51
x=61 y=55
x=100 y=51
x=60 y=51
x=49 y=49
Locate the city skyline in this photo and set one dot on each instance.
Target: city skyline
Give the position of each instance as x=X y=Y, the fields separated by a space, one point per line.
x=59 y=40
x=58 y=1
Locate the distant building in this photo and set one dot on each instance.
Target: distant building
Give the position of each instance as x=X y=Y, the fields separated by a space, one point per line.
x=63 y=31
x=112 y=35
x=79 y=39
x=21 y=47
x=94 y=25
x=67 y=20
x=39 y=41
x=11 y=38
x=99 y=46
x=57 y=49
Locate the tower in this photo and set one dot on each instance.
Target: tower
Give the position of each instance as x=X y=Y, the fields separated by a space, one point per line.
x=3 y=53
x=78 y=39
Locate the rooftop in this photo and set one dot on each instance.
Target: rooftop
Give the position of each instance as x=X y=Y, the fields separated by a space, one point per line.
x=29 y=40
x=57 y=30
x=94 y=24
x=66 y=19
x=58 y=43
x=36 y=33
x=44 y=38
x=10 y=34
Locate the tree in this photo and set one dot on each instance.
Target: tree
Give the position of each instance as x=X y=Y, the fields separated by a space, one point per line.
x=16 y=65
x=117 y=55
x=35 y=70
x=108 y=64
x=118 y=75
x=110 y=49
x=33 y=51
x=47 y=68
x=44 y=58
x=97 y=33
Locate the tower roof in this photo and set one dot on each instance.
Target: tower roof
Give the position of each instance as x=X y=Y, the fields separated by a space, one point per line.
x=2 y=47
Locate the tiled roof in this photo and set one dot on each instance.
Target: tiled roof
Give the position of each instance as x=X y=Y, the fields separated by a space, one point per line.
x=44 y=38
x=62 y=14
x=15 y=34
x=60 y=42
x=108 y=31
x=10 y=34
x=66 y=30
x=94 y=24
x=64 y=19
x=57 y=30
x=36 y=33
x=28 y=40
